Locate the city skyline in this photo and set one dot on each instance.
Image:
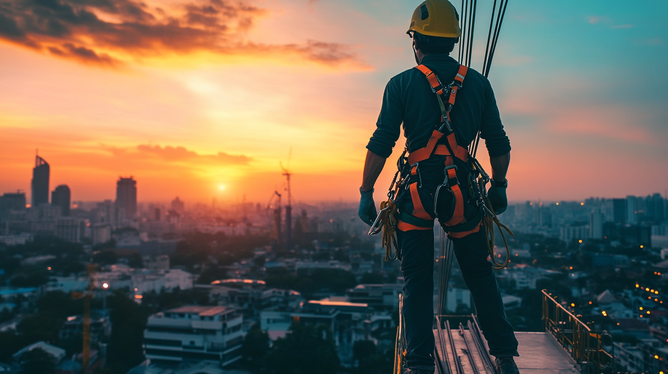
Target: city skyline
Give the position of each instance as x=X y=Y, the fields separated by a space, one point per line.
x=233 y=200
x=186 y=117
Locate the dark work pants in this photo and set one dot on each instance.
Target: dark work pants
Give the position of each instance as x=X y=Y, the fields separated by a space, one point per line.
x=417 y=265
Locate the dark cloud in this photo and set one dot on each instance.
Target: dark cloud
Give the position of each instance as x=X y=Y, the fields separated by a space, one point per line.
x=92 y=31
x=83 y=54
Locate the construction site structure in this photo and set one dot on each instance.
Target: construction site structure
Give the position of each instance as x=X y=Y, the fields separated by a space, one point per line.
x=86 y=296
x=276 y=233
x=288 y=207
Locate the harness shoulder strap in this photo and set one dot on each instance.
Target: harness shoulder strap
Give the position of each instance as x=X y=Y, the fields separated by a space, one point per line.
x=438 y=88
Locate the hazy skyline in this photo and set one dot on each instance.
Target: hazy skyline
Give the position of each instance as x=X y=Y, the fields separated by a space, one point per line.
x=187 y=96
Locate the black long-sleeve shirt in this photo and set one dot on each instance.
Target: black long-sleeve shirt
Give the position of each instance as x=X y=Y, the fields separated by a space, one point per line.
x=408 y=99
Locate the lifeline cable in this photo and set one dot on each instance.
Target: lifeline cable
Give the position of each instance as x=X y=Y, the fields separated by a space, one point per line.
x=472 y=13
x=489 y=221
x=492 y=40
x=464 y=32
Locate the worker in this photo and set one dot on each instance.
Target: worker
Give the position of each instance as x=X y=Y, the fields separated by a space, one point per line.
x=409 y=100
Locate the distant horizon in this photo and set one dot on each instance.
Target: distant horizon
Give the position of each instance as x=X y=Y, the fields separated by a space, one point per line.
x=186 y=108
x=188 y=204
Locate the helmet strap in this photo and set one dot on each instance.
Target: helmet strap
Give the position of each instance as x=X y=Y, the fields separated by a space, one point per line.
x=415 y=55
x=417 y=61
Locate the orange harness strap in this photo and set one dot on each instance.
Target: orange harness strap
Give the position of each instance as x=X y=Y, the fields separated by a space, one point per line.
x=433 y=148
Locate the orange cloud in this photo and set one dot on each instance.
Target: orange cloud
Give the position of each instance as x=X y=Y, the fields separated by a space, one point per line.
x=144 y=153
x=112 y=32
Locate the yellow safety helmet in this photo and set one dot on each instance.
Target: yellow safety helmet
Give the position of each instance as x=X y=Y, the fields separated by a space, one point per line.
x=435 y=18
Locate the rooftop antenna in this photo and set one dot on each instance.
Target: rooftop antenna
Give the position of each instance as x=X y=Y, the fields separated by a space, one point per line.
x=288 y=207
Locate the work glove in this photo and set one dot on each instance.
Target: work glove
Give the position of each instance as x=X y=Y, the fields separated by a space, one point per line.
x=497 y=196
x=367 y=208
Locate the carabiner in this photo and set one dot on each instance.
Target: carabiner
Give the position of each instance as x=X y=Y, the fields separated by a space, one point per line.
x=444 y=184
x=377 y=225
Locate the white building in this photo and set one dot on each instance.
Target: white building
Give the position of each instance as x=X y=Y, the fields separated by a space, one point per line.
x=376 y=295
x=569 y=233
x=202 y=333
x=526 y=276
x=596 y=224
x=629 y=357
x=70 y=229
x=16 y=239
x=275 y=323
x=101 y=233
x=145 y=281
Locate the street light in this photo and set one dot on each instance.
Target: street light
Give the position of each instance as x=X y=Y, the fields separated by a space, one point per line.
x=105 y=286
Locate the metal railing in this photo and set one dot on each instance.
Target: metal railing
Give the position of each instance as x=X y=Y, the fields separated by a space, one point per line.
x=584 y=345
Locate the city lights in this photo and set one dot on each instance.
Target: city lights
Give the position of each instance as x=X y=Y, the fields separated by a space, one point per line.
x=105 y=285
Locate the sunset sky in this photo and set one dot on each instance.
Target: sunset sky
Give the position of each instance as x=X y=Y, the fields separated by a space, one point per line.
x=189 y=95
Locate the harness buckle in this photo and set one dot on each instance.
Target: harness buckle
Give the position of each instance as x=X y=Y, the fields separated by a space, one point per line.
x=445 y=125
x=417 y=172
x=440 y=88
x=446 y=180
x=446 y=184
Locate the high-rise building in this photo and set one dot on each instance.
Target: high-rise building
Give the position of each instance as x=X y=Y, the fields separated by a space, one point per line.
x=619 y=210
x=656 y=208
x=40 y=182
x=178 y=205
x=61 y=197
x=70 y=229
x=10 y=202
x=596 y=224
x=631 y=210
x=126 y=196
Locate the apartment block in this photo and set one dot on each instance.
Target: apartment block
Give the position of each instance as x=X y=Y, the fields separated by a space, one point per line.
x=201 y=333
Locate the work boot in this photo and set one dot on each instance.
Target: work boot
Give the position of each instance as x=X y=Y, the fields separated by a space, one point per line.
x=506 y=365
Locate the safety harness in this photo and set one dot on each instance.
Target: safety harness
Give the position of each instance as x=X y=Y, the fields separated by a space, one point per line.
x=449 y=198
x=457 y=225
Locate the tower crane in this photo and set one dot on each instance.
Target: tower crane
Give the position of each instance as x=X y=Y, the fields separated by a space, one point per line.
x=86 y=296
x=288 y=207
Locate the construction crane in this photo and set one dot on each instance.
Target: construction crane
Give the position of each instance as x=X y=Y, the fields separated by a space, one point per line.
x=86 y=296
x=288 y=208
x=276 y=216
